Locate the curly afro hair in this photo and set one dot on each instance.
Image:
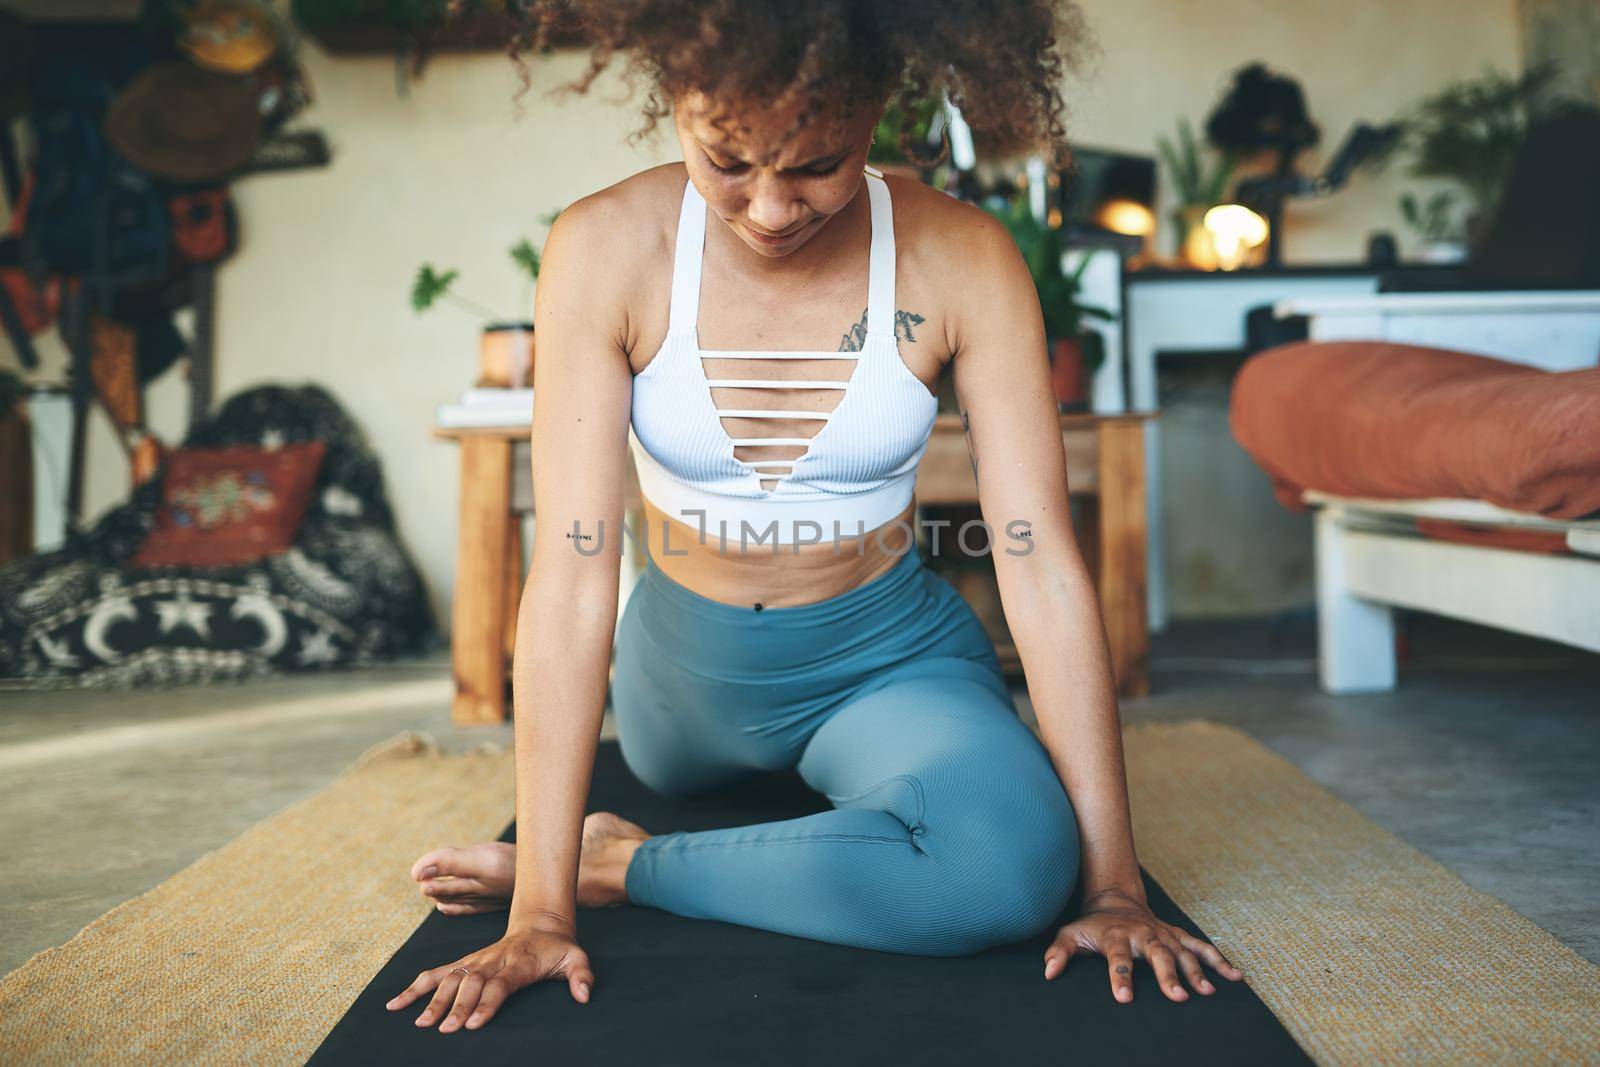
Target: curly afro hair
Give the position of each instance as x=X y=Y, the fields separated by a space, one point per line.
x=1002 y=62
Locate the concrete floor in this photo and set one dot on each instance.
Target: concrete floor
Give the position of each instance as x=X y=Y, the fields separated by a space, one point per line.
x=1484 y=758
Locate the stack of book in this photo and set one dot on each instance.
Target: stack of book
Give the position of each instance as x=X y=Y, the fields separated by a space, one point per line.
x=488 y=407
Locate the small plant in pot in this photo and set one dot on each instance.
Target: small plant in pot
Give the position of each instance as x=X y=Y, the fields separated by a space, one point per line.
x=1197 y=190
x=897 y=131
x=1444 y=238
x=1076 y=351
x=505 y=347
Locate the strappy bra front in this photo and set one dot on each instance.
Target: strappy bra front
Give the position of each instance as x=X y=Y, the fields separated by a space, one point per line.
x=854 y=474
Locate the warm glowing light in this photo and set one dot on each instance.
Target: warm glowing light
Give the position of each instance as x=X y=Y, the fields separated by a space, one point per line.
x=1235 y=230
x=1053 y=219
x=1126 y=216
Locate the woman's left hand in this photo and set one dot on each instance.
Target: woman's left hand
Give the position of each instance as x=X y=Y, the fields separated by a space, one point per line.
x=1122 y=928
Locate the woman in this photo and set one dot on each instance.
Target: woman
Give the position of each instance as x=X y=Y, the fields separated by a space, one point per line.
x=693 y=313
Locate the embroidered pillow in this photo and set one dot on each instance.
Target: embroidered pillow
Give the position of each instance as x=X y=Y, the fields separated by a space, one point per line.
x=223 y=506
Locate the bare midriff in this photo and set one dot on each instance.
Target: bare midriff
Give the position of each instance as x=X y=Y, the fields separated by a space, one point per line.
x=774 y=576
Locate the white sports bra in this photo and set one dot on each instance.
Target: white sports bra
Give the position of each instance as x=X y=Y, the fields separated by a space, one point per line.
x=854 y=474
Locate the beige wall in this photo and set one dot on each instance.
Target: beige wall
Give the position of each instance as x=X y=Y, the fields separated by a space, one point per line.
x=1567 y=34
x=448 y=174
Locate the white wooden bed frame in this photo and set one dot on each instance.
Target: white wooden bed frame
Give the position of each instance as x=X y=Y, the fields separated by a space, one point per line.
x=1371 y=559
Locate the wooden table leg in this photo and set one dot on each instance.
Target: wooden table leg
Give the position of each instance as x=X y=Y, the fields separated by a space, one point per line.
x=478 y=617
x=1122 y=548
x=1086 y=527
x=513 y=583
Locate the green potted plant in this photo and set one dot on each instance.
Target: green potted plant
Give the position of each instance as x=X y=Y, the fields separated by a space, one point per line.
x=1197 y=189
x=1438 y=224
x=1076 y=351
x=1470 y=133
x=505 y=347
x=888 y=152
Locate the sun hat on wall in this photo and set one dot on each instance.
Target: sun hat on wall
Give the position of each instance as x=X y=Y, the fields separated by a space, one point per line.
x=229 y=36
x=177 y=121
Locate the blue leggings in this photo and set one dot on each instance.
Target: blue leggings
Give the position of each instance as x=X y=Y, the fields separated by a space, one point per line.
x=950 y=833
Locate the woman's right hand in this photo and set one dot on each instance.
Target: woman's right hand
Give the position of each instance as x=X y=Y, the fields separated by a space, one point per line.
x=493 y=974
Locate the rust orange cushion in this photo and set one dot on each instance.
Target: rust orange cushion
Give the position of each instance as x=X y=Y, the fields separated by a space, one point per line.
x=233 y=505
x=1519 y=538
x=1392 y=421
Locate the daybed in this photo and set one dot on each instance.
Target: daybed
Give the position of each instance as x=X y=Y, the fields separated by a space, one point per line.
x=1444 y=481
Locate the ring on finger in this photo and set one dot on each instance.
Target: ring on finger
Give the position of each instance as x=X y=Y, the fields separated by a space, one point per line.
x=463 y=970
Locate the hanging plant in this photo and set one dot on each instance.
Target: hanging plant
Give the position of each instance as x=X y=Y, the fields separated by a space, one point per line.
x=415 y=30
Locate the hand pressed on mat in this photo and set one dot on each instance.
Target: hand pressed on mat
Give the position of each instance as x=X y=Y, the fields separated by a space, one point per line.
x=1121 y=927
x=494 y=973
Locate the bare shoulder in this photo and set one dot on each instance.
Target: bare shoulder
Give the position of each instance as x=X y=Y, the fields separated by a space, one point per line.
x=629 y=209
x=934 y=232
x=935 y=227
x=615 y=243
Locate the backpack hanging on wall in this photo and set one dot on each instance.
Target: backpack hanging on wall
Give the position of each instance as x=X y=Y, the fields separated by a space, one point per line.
x=91 y=211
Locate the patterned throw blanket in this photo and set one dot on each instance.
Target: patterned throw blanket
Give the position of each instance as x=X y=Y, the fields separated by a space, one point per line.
x=345 y=594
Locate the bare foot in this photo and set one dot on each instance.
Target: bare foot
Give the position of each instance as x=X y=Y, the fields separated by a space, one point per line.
x=609 y=842
x=465 y=881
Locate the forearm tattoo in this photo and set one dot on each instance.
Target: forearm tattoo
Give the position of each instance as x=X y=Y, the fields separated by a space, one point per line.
x=856 y=337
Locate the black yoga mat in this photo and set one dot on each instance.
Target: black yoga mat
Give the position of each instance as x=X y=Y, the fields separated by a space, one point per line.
x=670 y=990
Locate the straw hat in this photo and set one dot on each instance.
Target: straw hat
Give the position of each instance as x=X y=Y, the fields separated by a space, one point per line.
x=177 y=121
x=228 y=36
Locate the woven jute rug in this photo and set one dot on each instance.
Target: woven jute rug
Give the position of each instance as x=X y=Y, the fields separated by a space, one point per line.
x=1368 y=951
x=252 y=953
x=1364 y=948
